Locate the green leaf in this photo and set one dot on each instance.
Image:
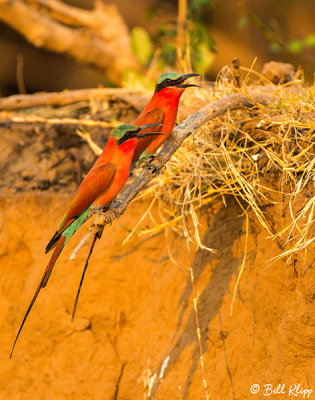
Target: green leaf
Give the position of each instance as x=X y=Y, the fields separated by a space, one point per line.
x=295 y=46
x=197 y=7
x=274 y=47
x=309 y=41
x=200 y=34
x=242 y=22
x=168 y=29
x=141 y=44
x=203 y=59
x=169 y=53
x=151 y=11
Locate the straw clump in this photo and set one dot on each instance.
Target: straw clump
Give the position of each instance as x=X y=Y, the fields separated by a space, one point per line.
x=264 y=156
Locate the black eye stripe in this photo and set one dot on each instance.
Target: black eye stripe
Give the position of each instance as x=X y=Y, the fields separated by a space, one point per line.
x=167 y=83
x=128 y=135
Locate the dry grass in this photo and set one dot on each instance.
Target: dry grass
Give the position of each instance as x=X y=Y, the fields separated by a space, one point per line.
x=262 y=156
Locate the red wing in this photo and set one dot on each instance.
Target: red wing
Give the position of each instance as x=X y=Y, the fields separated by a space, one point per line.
x=155 y=116
x=94 y=184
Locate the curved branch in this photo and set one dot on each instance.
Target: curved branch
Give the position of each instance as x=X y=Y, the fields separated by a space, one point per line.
x=109 y=51
x=179 y=134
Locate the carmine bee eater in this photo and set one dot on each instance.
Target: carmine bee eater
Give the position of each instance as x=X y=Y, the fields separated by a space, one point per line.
x=161 y=109
x=97 y=191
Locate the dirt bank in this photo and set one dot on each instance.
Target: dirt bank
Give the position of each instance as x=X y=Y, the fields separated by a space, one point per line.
x=136 y=310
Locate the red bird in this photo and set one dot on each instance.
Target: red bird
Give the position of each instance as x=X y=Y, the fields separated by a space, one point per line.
x=161 y=109
x=97 y=191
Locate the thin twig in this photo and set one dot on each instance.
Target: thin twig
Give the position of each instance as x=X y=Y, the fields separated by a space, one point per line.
x=20 y=73
x=34 y=119
x=243 y=264
x=87 y=137
x=181 y=22
x=198 y=330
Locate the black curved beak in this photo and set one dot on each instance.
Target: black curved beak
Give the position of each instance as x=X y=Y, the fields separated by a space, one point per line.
x=183 y=78
x=149 y=134
x=135 y=134
x=146 y=126
x=143 y=127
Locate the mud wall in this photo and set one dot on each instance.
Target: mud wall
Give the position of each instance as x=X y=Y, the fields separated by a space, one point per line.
x=136 y=316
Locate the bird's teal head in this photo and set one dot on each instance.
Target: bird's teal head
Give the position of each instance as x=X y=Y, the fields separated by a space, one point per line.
x=124 y=132
x=172 y=79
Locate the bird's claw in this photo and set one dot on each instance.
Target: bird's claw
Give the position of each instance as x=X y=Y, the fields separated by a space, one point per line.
x=104 y=214
x=155 y=168
x=117 y=215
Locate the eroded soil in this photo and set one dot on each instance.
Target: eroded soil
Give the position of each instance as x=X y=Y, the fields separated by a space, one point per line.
x=136 y=314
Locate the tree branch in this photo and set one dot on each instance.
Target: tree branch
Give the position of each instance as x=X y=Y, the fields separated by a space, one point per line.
x=98 y=38
x=179 y=134
x=136 y=98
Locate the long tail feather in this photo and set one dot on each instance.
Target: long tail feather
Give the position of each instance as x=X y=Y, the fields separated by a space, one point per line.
x=53 y=260
x=42 y=284
x=55 y=239
x=96 y=236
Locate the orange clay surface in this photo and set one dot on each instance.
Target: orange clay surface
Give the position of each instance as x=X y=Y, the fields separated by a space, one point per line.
x=135 y=314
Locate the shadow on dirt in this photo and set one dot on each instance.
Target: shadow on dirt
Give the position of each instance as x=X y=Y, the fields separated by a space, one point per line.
x=224 y=230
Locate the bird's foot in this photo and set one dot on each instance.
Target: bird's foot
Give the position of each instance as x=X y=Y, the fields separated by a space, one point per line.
x=104 y=214
x=156 y=169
